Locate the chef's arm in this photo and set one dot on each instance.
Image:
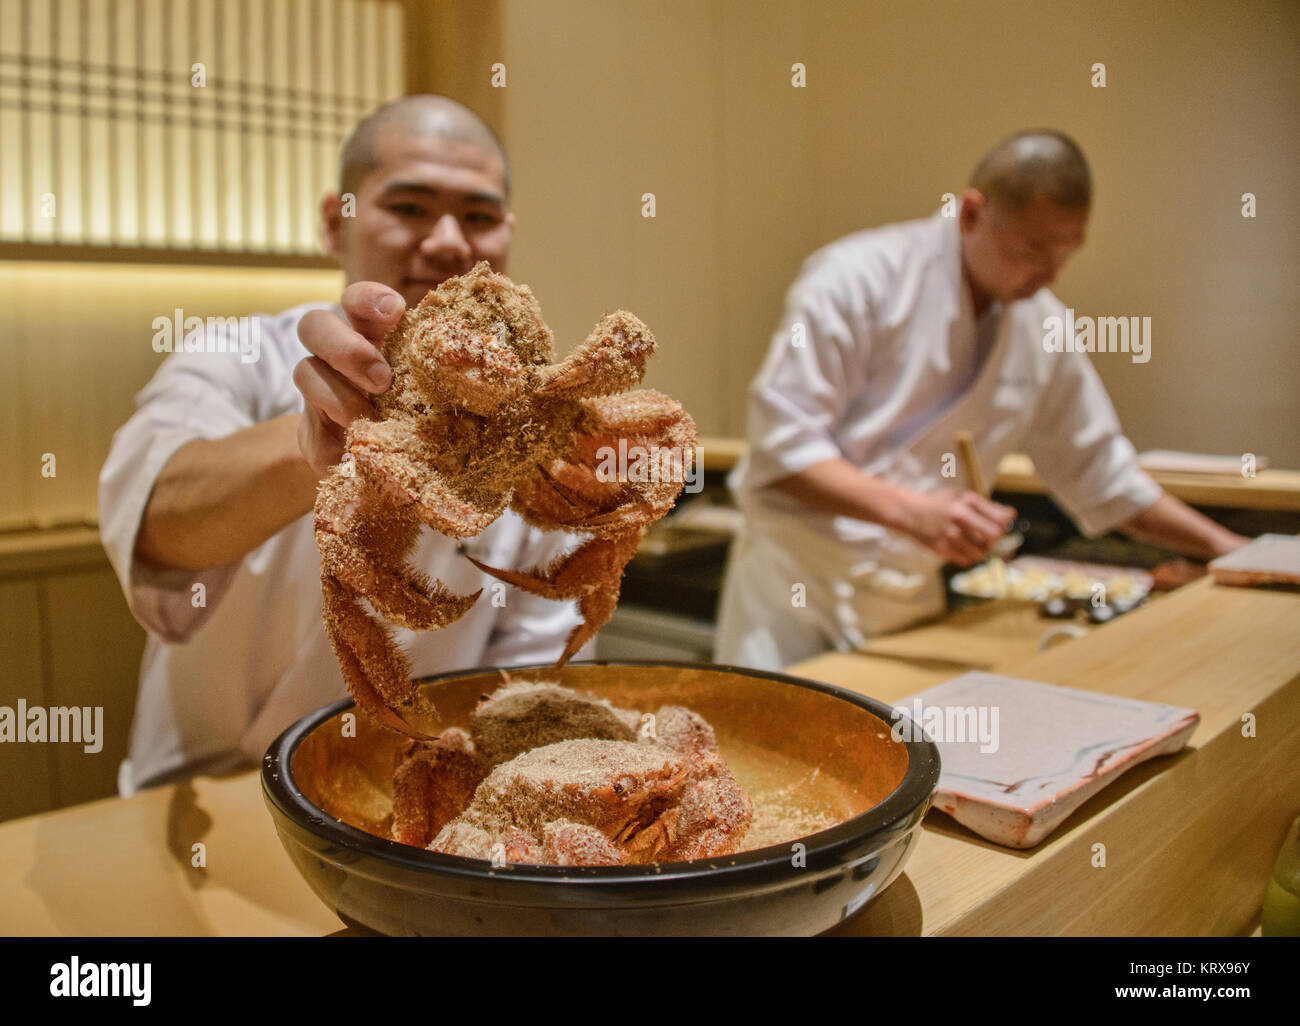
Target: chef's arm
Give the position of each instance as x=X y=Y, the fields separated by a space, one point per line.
x=961 y=526
x=1173 y=524
x=838 y=488
x=218 y=499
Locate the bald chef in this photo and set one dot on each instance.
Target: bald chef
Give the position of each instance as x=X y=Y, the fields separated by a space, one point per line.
x=206 y=497
x=892 y=340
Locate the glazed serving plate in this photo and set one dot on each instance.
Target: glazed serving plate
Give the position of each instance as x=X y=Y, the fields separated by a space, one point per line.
x=838 y=806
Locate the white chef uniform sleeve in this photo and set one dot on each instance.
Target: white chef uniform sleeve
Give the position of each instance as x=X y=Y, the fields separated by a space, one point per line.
x=815 y=364
x=193 y=395
x=529 y=628
x=1080 y=452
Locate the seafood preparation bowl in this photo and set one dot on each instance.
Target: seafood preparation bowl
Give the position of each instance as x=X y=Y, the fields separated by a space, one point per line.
x=838 y=804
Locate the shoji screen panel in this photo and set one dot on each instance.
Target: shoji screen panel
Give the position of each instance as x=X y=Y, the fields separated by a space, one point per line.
x=206 y=126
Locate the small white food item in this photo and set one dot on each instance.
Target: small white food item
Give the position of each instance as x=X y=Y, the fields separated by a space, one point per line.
x=1078 y=585
x=998 y=570
x=977 y=581
x=1121 y=586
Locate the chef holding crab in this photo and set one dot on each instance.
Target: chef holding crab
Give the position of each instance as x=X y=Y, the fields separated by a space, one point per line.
x=892 y=341
x=206 y=496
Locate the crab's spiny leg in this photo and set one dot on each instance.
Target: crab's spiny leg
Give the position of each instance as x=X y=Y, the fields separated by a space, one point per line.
x=592 y=574
x=643 y=412
x=612 y=359
x=364 y=548
x=399 y=594
x=571 y=575
x=374 y=668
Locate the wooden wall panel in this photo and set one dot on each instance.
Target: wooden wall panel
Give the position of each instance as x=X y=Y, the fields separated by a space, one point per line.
x=94 y=661
x=694 y=101
x=78 y=339
x=26 y=769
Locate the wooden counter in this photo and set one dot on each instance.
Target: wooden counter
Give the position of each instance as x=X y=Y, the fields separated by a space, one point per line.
x=720 y=454
x=66 y=638
x=1268 y=490
x=1189 y=839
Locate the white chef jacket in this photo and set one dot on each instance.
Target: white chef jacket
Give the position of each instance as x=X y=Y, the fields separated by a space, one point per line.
x=229 y=666
x=879 y=359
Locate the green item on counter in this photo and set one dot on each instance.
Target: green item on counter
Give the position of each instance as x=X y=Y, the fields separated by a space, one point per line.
x=1281 y=915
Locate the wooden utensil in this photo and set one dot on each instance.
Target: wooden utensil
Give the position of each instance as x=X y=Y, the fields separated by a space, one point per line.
x=965 y=442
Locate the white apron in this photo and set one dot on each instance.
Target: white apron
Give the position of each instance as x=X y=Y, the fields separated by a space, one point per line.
x=794 y=589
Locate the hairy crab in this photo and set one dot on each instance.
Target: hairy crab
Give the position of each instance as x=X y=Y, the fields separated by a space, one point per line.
x=600 y=803
x=549 y=775
x=477 y=420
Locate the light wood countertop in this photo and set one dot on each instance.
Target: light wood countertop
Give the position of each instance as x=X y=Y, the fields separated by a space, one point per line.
x=1268 y=490
x=1190 y=839
x=718 y=453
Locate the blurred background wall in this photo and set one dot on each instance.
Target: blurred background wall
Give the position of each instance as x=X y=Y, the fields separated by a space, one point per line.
x=693 y=101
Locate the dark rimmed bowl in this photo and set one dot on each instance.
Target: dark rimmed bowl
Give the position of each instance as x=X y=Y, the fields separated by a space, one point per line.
x=809 y=753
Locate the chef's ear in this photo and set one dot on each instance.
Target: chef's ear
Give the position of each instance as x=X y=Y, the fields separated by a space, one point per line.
x=331 y=225
x=974 y=205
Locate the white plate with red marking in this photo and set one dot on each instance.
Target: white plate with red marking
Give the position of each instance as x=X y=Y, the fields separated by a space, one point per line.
x=1019 y=756
x=1269 y=559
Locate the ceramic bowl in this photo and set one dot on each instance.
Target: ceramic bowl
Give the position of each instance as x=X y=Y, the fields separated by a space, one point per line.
x=838 y=806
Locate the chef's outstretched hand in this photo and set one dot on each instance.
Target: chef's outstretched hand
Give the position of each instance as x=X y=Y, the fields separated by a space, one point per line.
x=961 y=526
x=345 y=368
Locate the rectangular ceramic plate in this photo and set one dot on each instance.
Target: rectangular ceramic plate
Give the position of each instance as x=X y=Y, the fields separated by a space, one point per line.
x=1194 y=462
x=1269 y=559
x=1019 y=756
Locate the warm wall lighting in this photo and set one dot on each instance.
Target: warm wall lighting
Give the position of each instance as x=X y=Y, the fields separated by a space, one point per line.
x=200 y=126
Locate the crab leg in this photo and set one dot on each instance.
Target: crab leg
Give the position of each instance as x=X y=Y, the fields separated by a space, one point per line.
x=374 y=668
x=400 y=595
x=363 y=553
x=592 y=574
x=432 y=785
x=644 y=412
x=366 y=553
x=612 y=359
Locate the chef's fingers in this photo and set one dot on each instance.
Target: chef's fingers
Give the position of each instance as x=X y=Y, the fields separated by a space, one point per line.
x=347 y=352
x=955 y=547
x=327 y=391
x=320 y=446
x=1004 y=515
x=980 y=530
x=372 y=309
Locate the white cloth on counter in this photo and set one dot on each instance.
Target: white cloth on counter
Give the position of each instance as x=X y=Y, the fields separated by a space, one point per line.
x=222 y=677
x=879 y=358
